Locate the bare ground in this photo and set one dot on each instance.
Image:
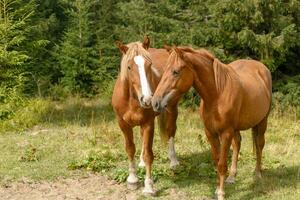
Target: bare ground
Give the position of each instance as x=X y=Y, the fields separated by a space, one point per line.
x=91 y=187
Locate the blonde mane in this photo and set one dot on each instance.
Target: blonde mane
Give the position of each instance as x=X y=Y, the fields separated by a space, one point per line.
x=134 y=49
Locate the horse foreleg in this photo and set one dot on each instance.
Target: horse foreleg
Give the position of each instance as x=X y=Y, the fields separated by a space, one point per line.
x=214 y=142
x=132 y=179
x=148 y=132
x=236 y=145
x=226 y=138
x=142 y=163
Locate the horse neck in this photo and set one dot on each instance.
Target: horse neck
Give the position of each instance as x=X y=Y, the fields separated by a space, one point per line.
x=204 y=81
x=154 y=80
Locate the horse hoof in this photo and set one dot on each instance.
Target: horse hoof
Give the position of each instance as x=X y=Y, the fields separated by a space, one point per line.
x=174 y=164
x=149 y=193
x=258 y=175
x=142 y=164
x=230 y=180
x=219 y=195
x=132 y=186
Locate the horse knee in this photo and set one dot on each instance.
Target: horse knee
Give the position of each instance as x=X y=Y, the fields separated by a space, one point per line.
x=148 y=156
x=222 y=168
x=130 y=149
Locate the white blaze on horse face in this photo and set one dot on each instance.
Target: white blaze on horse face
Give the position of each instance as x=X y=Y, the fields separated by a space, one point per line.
x=146 y=91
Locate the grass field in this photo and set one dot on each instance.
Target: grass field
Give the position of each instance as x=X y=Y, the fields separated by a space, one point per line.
x=46 y=140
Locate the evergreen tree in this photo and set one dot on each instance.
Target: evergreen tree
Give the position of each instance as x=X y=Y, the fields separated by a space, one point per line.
x=45 y=32
x=264 y=30
x=77 y=55
x=14 y=21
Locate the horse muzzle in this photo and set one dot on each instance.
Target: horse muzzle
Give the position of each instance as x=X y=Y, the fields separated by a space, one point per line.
x=157 y=105
x=145 y=101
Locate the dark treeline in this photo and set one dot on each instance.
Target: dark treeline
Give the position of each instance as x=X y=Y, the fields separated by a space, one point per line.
x=57 y=47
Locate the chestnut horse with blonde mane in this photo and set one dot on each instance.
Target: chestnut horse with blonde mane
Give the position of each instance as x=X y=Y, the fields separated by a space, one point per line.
x=141 y=71
x=235 y=97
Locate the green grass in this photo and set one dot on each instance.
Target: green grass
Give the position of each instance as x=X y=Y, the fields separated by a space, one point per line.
x=47 y=140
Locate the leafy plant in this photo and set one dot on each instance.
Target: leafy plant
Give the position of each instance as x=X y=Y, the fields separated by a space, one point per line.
x=30 y=154
x=95 y=161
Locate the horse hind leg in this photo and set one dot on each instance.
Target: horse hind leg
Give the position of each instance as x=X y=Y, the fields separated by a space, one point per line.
x=132 y=179
x=167 y=130
x=258 y=133
x=236 y=146
x=172 y=154
x=171 y=131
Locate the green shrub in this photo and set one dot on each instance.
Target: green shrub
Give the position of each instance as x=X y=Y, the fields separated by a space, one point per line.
x=19 y=114
x=287 y=91
x=95 y=161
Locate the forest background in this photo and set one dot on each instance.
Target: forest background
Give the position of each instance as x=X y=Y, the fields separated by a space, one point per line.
x=57 y=48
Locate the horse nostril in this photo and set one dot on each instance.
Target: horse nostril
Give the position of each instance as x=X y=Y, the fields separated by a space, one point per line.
x=141 y=98
x=156 y=105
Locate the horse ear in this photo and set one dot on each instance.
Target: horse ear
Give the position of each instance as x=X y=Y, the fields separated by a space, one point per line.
x=168 y=48
x=123 y=48
x=146 y=43
x=178 y=52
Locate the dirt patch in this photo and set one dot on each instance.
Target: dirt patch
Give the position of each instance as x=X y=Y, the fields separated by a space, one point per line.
x=90 y=187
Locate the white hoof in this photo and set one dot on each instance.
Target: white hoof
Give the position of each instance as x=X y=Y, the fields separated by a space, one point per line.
x=132 y=182
x=220 y=194
x=151 y=193
x=142 y=164
x=148 y=189
x=174 y=163
x=221 y=197
x=230 y=180
x=258 y=174
x=132 y=186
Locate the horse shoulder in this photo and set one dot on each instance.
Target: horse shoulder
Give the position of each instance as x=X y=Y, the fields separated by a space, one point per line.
x=212 y=118
x=120 y=97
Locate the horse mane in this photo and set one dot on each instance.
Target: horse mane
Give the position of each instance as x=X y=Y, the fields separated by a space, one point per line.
x=222 y=75
x=221 y=71
x=134 y=49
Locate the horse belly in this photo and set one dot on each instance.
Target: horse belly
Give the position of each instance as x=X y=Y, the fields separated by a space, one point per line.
x=254 y=109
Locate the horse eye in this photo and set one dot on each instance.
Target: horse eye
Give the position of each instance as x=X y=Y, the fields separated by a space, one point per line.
x=129 y=67
x=175 y=72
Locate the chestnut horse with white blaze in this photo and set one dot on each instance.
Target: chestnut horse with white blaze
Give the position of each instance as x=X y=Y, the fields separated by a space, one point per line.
x=141 y=71
x=235 y=97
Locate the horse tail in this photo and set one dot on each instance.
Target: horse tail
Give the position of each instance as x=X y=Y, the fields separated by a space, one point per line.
x=162 y=123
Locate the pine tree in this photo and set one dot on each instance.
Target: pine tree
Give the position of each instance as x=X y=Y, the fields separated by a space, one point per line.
x=264 y=30
x=77 y=55
x=44 y=33
x=14 y=21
